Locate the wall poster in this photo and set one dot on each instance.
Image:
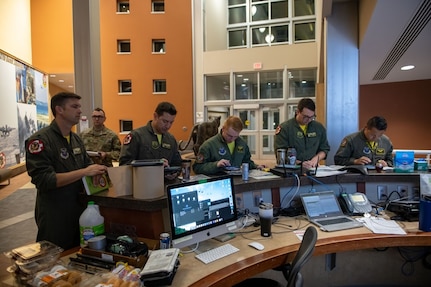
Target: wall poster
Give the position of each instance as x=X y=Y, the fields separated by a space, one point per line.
x=23 y=107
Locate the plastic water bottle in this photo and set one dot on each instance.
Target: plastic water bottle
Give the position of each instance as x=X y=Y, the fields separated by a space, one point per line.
x=244 y=170
x=91 y=223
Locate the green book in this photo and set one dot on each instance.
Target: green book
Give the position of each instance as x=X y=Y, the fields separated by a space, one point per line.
x=92 y=188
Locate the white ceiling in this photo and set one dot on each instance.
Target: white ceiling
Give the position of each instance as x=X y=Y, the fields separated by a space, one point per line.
x=386 y=24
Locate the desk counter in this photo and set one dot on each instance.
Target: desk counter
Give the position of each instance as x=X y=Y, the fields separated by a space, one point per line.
x=146 y=217
x=284 y=244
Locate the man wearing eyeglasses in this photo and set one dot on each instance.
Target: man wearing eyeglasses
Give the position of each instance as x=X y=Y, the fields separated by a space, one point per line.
x=101 y=140
x=305 y=134
x=366 y=147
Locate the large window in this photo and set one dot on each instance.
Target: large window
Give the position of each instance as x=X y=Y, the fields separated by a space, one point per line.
x=270 y=22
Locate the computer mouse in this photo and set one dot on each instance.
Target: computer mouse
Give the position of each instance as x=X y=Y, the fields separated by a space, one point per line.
x=256 y=245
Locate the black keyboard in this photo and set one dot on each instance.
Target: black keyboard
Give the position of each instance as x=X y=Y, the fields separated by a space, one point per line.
x=334 y=221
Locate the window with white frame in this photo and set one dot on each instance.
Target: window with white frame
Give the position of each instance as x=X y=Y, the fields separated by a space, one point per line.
x=159 y=46
x=269 y=22
x=126 y=125
x=123 y=6
x=123 y=46
x=125 y=86
x=159 y=86
x=158 y=6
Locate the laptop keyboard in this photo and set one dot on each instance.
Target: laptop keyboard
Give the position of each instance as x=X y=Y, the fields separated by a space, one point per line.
x=334 y=221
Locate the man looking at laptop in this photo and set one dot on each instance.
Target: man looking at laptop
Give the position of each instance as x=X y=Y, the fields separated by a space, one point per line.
x=366 y=147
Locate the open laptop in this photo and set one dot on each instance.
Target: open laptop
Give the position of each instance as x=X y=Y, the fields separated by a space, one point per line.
x=323 y=209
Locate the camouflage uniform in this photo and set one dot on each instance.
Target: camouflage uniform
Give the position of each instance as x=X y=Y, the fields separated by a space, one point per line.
x=215 y=149
x=57 y=209
x=356 y=145
x=105 y=140
x=142 y=143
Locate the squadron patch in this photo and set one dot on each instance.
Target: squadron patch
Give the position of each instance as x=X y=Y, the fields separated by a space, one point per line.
x=240 y=149
x=222 y=151
x=343 y=143
x=278 y=130
x=36 y=146
x=200 y=158
x=155 y=144
x=366 y=150
x=127 y=139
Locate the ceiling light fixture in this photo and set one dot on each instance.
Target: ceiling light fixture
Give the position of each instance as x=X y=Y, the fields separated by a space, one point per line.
x=408 y=67
x=61 y=81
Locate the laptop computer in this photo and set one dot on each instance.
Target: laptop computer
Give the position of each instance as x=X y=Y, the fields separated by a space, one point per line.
x=323 y=209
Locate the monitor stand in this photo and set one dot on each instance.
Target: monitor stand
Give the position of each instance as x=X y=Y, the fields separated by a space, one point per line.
x=207 y=245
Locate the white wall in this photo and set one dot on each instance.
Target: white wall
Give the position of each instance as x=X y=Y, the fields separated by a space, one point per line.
x=15 y=29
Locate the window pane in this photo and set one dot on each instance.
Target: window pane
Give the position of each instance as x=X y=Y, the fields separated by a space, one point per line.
x=237 y=15
x=158 y=6
x=279 y=10
x=126 y=125
x=236 y=2
x=304 y=7
x=125 y=86
x=251 y=142
x=260 y=36
x=304 y=31
x=281 y=34
x=123 y=6
x=259 y=12
x=248 y=118
x=159 y=46
x=123 y=46
x=271 y=85
x=302 y=83
x=246 y=86
x=217 y=88
x=159 y=86
x=237 y=38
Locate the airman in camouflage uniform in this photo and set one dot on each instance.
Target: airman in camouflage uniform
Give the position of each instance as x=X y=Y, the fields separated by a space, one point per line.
x=102 y=140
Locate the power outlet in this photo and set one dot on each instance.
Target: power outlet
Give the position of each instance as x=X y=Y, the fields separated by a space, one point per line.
x=257 y=196
x=403 y=191
x=382 y=192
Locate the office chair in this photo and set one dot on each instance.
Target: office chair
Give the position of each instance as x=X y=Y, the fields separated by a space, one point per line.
x=290 y=270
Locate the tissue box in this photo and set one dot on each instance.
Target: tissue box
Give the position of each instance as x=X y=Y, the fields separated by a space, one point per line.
x=404 y=161
x=421 y=164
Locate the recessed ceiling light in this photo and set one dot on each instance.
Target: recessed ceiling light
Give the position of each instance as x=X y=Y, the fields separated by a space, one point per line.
x=52 y=76
x=70 y=86
x=61 y=81
x=408 y=67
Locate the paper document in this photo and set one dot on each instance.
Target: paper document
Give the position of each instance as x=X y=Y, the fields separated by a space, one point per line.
x=324 y=170
x=381 y=226
x=261 y=174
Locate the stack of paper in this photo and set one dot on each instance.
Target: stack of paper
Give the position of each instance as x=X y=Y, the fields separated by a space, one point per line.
x=381 y=225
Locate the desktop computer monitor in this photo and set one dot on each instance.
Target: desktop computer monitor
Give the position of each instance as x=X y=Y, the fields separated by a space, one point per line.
x=200 y=210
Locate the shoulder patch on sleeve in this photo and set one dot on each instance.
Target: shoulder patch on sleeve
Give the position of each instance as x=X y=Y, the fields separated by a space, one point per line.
x=343 y=143
x=127 y=139
x=36 y=146
x=278 y=130
x=200 y=158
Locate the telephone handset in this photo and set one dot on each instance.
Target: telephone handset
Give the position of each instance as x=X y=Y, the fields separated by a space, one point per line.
x=355 y=203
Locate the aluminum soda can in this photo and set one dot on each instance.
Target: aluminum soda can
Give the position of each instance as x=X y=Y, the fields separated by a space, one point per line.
x=244 y=169
x=165 y=240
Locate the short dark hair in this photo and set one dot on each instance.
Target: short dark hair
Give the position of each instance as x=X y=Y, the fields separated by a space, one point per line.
x=306 y=103
x=166 y=107
x=60 y=100
x=99 y=110
x=377 y=122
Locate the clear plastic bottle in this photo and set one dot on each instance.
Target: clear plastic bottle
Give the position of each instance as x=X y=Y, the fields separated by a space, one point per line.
x=91 y=223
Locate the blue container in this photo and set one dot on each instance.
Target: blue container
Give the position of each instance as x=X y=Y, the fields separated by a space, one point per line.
x=425 y=215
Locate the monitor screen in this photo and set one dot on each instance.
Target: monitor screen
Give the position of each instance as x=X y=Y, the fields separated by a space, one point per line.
x=200 y=210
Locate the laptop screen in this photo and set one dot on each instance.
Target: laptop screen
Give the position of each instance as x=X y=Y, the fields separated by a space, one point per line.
x=321 y=204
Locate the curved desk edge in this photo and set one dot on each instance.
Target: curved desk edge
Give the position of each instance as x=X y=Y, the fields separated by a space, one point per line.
x=251 y=266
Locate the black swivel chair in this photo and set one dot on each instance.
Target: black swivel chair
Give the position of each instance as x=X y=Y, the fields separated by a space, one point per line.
x=290 y=270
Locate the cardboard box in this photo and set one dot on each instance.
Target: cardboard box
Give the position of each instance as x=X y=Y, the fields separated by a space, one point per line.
x=404 y=161
x=113 y=257
x=421 y=165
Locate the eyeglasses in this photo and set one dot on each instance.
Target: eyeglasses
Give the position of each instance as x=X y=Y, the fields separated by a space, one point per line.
x=98 y=117
x=308 y=118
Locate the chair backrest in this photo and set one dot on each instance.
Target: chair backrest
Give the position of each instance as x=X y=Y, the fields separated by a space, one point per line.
x=304 y=254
